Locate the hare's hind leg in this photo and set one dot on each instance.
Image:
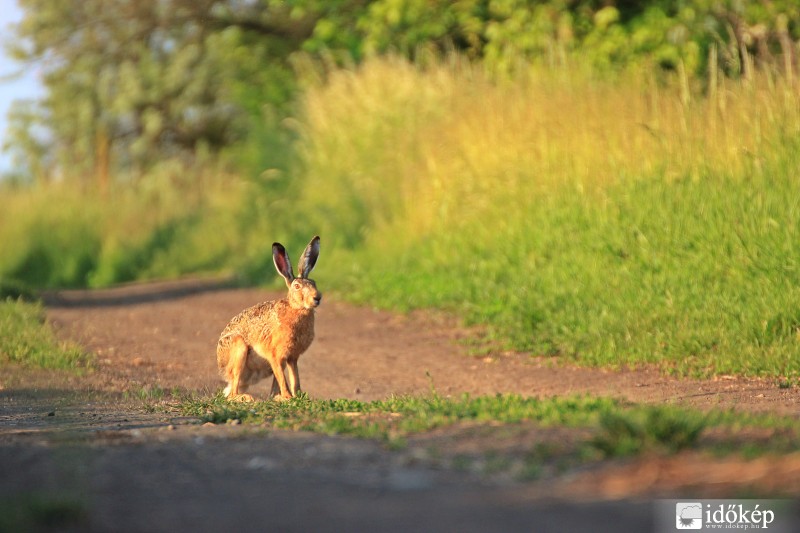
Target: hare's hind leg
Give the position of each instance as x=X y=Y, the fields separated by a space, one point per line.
x=278 y=377
x=237 y=361
x=276 y=390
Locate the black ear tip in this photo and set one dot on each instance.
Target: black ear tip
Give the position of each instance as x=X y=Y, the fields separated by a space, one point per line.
x=277 y=245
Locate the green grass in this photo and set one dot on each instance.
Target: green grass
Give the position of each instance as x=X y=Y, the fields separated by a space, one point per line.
x=618 y=429
x=26 y=339
x=397 y=416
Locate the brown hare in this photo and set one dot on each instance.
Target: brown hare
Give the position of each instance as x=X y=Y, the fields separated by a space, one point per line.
x=269 y=337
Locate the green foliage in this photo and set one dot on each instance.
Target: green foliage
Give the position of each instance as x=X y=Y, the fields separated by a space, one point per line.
x=26 y=339
x=131 y=84
x=507 y=34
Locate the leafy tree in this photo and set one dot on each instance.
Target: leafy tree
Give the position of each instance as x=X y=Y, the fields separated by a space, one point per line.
x=27 y=141
x=129 y=83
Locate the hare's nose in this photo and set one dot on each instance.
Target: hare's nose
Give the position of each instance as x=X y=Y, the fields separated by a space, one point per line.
x=317 y=299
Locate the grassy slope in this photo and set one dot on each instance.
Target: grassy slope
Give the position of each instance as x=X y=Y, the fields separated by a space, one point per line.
x=610 y=223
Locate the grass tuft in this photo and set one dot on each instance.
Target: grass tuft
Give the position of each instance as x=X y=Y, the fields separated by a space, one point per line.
x=651 y=429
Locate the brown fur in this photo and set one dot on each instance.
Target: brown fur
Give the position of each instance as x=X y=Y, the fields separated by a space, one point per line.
x=268 y=339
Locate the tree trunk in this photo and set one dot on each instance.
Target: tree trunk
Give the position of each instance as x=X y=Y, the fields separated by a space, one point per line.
x=102 y=160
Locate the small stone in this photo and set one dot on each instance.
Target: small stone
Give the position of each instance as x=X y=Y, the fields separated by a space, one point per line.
x=409 y=480
x=261 y=463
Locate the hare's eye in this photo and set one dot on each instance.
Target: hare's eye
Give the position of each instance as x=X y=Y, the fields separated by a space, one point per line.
x=296 y=286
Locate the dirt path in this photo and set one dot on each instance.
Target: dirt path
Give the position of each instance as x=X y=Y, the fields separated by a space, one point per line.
x=165 y=335
x=76 y=455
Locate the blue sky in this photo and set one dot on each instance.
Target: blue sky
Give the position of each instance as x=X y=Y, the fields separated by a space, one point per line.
x=24 y=85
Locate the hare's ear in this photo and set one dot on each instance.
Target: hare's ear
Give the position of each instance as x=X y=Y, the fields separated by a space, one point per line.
x=309 y=258
x=282 y=263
